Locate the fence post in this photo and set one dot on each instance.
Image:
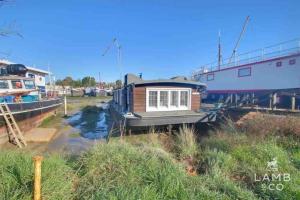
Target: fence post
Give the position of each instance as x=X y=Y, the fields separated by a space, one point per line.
x=37 y=177
x=294 y=102
x=65 y=104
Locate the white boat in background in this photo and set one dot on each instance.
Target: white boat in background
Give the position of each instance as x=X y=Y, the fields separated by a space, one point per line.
x=271 y=72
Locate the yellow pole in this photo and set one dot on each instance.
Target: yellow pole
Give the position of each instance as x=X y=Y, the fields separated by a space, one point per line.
x=37 y=177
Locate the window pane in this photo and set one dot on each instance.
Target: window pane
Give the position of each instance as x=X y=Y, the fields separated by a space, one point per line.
x=183 y=98
x=174 y=98
x=31 y=75
x=210 y=77
x=3 y=84
x=16 y=84
x=164 y=98
x=29 y=84
x=244 y=72
x=152 y=98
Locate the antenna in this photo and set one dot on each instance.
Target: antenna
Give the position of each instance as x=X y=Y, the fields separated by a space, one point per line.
x=239 y=38
x=219 y=52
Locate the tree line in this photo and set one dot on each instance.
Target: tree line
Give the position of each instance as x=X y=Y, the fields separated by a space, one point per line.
x=87 y=81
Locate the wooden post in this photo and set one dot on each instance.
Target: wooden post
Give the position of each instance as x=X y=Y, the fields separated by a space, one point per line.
x=294 y=102
x=248 y=99
x=253 y=96
x=65 y=104
x=274 y=100
x=37 y=177
x=236 y=99
x=231 y=99
x=170 y=129
x=121 y=130
x=129 y=132
x=270 y=101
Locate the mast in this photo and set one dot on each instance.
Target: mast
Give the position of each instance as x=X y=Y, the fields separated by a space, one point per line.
x=99 y=80
x=219 y=52
x=239 y=39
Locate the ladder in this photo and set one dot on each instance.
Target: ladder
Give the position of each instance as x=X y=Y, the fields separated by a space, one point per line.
x=14 y=133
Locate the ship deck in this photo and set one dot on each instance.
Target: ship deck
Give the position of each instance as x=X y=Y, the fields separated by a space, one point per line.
x=168 y=118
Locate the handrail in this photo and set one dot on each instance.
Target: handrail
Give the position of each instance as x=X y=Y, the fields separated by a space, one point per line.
x=280 y=49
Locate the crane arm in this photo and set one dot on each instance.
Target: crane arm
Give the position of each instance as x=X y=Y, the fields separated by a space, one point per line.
x=239 y=38
x=118 y=47
x=109 y=46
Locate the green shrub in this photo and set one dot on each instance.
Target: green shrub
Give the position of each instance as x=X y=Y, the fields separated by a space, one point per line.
x=16 y=177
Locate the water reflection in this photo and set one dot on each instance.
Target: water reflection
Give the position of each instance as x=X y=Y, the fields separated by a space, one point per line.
x=92 y=122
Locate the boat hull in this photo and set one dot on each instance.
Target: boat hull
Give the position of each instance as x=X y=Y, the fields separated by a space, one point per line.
x=29 y=115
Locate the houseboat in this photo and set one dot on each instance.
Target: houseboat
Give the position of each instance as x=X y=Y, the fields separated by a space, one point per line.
x=268 y=77
x=21 y=95
x=144 y=103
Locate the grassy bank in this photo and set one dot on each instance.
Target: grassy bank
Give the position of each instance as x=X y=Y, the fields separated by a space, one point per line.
x=222 y=165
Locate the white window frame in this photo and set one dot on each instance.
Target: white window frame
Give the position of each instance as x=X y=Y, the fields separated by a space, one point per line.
x=169 y=108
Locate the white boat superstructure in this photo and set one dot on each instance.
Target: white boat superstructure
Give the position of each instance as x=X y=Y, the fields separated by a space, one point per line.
x=16 y=85
x=274 y=69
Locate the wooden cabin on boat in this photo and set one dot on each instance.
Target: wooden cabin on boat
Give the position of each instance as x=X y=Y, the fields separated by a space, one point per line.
x=143 y=103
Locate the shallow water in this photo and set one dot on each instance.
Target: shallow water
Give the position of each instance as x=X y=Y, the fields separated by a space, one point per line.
x=88 y=127
x=92 y=122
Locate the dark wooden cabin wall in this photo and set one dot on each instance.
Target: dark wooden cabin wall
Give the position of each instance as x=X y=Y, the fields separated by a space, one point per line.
x=196 y=100
x=139 y=99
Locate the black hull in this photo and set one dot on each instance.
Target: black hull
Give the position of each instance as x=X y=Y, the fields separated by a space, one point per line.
x=22 y=111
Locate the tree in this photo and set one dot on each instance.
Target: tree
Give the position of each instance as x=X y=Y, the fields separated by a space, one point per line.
x=59 y=82
x=118 y=84
x=68 y=81
x=77 y=83
x=88 y=81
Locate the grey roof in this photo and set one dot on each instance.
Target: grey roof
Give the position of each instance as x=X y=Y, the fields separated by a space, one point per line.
x=133 y=79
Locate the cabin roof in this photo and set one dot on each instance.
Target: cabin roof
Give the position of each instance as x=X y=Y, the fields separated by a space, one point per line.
x=133 y=79
x=37 y=70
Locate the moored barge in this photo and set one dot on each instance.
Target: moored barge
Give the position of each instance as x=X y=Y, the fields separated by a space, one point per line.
x=144 y=103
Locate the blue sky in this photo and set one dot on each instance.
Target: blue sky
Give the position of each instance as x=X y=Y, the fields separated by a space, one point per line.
x=159 y=38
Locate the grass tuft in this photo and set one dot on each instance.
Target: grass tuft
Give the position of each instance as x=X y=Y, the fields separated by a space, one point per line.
x=186 y=142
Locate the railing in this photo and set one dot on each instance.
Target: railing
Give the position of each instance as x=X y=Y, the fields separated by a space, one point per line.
x=278 y=50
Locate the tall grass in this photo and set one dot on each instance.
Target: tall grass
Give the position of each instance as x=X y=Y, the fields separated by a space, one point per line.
x=186 y=142
x=243 y=155
x=153 y=166
x=124 y=171
x=16 y=177
x=121 y=171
